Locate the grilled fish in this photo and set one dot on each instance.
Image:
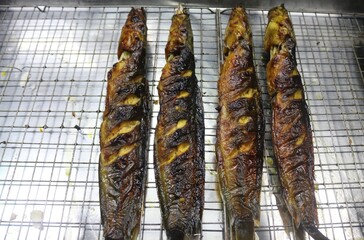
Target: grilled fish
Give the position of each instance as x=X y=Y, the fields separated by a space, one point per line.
x=291 y=130
x=240 y=130
x=124 y=134
x=179 y=136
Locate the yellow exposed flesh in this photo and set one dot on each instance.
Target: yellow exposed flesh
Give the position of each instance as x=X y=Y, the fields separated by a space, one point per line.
x=138 y=79
x=234 y=32
x=249 y=93
x=122 y=152
x=180 y=9
x=124 y=127
x=273 y=51
x=122 y=63
x=180 y=124
x=126 y=149
x=275 y=27
x=125 y=55
x=230 y=40
x=181 y=149
x=183 y=94
x=160 y=87
x=132 y=99
x=170 y=57
x=249 y=70
x=246 y=146
x=128 y=126
x=298 y=94
x=294 y=73
x=244 y=120
x=187 y=73
x=103 y=131
x=300 y=139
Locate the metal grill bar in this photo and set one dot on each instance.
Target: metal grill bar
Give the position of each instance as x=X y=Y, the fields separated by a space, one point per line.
x=53 y=67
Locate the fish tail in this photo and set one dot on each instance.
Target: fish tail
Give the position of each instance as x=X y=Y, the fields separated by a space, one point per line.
x=313 y=231
x=242 y=229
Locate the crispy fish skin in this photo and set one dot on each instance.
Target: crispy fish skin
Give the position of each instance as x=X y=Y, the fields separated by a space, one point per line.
x=291 y=130
x=240 y=130
x=179 y=137
x=124 y=134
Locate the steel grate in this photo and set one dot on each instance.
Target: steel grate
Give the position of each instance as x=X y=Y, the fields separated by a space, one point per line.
x=53 y=64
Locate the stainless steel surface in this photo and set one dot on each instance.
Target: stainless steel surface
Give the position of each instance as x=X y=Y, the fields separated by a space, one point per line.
x=53 y=66
x=337 y=6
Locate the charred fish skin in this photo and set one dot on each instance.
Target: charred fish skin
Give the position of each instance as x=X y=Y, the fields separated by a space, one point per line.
x=240 y=130
x=291 y=129
x=179 y=136
x=124 y=134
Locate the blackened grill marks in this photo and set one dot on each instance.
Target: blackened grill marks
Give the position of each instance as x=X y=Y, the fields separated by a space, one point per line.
x=291 y=131
x=179 y=138
x=240 y=131
x=124 y=134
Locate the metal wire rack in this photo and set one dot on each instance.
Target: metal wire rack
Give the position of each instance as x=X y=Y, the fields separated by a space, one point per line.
x=53 y=64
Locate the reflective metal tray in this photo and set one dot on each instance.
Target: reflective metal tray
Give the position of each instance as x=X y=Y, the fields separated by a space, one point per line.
x=53 y=66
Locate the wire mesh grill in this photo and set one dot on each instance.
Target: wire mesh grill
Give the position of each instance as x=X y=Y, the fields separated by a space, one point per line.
x=53 y=65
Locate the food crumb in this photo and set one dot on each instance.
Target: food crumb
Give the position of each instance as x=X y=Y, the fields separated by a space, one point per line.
x=68 y=171
x=13 y=216
x=41 y=129
x=272 y=171
x=73 y=114
x=270 y=161
x=319 y=96
x=155 y=102
x=24 y=79
x=36 y=216
x=212 y=172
